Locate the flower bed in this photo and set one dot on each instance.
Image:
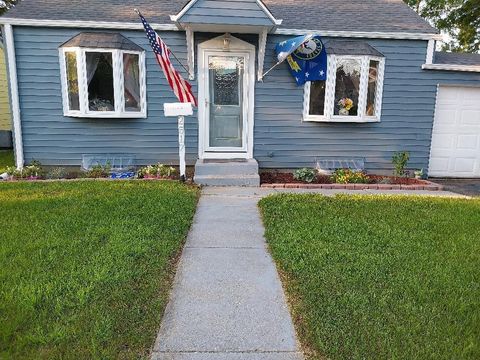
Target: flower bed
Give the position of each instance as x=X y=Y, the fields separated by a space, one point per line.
x=375 y=182
x=35 y=171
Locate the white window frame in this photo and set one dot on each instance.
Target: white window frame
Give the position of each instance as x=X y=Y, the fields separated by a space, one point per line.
x=118 y=84
x=329 y=106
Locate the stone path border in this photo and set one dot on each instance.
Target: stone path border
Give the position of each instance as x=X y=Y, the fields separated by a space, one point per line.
x=428 y=185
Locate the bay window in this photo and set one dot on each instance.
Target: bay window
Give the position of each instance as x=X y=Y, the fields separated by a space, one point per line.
x=351 y=93
x=103 y=82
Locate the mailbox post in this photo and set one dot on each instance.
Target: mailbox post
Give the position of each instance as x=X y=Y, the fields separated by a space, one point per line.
x=179 y=110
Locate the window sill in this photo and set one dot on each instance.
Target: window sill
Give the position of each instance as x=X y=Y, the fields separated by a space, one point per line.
x=341 y=119
x=112 y=115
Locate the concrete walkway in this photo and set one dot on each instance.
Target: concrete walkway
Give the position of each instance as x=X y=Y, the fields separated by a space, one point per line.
x=227 y=301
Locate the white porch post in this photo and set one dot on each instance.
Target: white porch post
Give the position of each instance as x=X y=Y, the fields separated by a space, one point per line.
x=430 y=51
x=181 y=145
x=262 y=44
x=180 y=110
x=12 y=74
x=190 y=52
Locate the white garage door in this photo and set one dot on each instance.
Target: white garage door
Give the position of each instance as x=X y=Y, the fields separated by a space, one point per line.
x=456 y=133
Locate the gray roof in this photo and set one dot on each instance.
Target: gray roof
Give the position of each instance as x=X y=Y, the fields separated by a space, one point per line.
x=342 y=47
x=456 y=58
x=101 y=40
x=327 y=15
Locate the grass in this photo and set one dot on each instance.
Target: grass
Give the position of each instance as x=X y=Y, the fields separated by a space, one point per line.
x=86 y=266
x=372 y=277
x=6 y=159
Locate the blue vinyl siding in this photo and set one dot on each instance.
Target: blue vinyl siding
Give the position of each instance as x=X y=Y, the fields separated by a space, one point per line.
x=53 y=139
x=231 y=12
x=281 y=139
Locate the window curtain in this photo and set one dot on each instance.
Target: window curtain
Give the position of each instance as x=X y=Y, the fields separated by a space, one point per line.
x=93 y=59
x=92 y=63
x=132 y=77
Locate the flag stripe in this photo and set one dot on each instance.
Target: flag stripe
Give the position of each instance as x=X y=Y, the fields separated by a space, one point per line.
x=181 y=88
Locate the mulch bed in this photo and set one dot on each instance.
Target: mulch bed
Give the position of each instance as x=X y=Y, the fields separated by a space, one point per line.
x=274 y=179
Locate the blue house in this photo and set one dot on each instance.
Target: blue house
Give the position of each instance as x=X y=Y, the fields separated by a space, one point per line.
x=83 y=80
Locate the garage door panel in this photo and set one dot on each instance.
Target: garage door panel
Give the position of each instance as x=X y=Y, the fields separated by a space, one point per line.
x=444 y=118
x=444 y=142
x=455 y=150
x=467 y=142
x=463 y=165
x=439 y=165
x=470 y=118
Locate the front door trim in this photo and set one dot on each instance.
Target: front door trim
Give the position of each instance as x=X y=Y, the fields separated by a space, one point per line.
x=236 y=47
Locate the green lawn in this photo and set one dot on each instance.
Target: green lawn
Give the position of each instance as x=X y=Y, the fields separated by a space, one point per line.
x=6 y=159
x=372 y=277
x=86 y=266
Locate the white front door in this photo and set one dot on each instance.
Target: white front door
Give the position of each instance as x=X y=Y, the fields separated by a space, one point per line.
x=455 y=148
x=225 y=104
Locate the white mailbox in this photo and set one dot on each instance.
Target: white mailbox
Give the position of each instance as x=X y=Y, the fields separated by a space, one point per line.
x=178 y=109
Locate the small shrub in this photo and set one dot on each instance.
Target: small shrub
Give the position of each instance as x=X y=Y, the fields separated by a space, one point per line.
x=99 y=171
x=57 y=173
x=156 y=171
x=32 y=171
x=385 y=180
x=307 y=175
x=419 y=174
x=347 y=176
x=400 y=161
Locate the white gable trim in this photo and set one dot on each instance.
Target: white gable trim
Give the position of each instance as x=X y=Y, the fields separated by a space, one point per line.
x=269 y=14
x=193 y=2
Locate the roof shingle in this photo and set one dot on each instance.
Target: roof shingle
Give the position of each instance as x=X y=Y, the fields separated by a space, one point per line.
x=326 y=15
x=456 y=58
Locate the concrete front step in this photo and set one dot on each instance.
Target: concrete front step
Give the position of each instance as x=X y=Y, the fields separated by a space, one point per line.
x=228 y=180
x=227 y=173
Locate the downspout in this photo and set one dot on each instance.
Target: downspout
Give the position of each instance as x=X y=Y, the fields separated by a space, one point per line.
x=14 y=99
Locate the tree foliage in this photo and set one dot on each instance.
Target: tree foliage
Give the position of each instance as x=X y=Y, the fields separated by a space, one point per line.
x=460 y=19
x=5 y=5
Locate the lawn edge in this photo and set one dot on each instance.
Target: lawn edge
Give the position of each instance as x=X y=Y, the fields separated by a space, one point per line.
x=292 y=298
x=172 y=272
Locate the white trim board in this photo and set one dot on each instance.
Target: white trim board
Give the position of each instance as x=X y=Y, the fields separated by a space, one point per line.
x=452 y=67
x=362 y=34
x=15 y=100
x=173 y=27
x=85 y=24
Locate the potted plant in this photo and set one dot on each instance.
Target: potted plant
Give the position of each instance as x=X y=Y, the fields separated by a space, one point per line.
x=418 y=174
x=345 y=105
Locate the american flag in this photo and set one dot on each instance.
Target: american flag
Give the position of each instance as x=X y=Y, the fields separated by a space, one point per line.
x=181 y=88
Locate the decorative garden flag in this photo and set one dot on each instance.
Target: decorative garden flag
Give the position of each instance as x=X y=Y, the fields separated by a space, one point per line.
x=181 y=88
x=306 y=57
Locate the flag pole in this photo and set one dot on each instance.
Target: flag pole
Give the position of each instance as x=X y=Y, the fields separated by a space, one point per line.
x=170 y=50
x=273 y=67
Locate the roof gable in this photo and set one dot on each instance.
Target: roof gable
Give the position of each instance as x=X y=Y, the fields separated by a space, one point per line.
x=315 y=15
x=245 y=12
x=101 y=40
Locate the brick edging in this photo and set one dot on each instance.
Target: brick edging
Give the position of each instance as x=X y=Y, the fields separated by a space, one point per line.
x=427 y=185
